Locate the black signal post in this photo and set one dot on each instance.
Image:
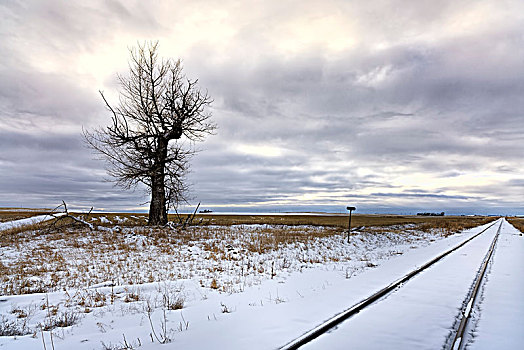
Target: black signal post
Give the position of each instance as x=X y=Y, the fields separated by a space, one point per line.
x=349 y=226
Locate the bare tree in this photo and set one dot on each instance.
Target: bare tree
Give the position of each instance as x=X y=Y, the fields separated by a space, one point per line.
x=159 y=115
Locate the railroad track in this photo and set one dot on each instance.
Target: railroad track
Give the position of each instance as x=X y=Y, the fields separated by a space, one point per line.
x=454 y=341
x=459 y=338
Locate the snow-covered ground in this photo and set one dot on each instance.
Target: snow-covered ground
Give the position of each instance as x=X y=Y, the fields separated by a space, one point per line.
x=421 y=313
x=499 y=318
x=232 y=296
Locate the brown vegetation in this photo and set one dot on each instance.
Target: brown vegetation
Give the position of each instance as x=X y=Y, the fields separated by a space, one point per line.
x=122 y=248
x=517 y=222
x=10 y=214
x=451 y=223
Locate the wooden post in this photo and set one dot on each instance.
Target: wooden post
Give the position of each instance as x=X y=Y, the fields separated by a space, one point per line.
x=349 y=225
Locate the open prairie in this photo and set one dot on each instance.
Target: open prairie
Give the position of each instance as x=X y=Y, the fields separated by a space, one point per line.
x=290 y=219
x=55 y=254
x=110 y=274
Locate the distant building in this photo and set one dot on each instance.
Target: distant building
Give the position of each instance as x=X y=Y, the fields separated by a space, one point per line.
x=431 y=214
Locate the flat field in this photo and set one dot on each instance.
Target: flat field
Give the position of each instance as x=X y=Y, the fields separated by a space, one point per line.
x=315 y=219
x=120 y=249
x=122 y=277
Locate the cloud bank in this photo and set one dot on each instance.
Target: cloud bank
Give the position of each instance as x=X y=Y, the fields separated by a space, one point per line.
x=383 y=105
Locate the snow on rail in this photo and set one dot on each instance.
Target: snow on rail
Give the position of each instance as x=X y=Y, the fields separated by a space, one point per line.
x=458 y=341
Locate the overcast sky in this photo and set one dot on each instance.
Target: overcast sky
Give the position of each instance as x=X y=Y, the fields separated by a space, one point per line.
x=390 y=106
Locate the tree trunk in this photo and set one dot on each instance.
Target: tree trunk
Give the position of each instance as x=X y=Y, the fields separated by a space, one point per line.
x=157 y=208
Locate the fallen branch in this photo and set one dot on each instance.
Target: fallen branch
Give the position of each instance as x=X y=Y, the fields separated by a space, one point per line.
x=66 y=215
x=178 y=217
x=191 y=217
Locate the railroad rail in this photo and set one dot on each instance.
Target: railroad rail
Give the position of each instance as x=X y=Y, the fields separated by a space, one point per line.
x=378 y=295
x=465 y=314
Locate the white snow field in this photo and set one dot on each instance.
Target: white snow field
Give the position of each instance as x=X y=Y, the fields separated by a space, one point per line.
x=255 y=311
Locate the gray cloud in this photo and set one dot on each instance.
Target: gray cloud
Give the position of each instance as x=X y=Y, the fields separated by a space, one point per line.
x=425 y=106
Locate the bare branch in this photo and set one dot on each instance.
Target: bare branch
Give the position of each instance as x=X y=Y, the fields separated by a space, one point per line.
x=158 y=108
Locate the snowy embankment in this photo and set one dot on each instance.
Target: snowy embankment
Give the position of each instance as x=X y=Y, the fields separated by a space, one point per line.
x=24 y=222
x=221 y=288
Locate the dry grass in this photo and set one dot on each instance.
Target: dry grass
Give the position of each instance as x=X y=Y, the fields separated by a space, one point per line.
x=41 y=260
x=329 y=220
x=8 y=214
x=452 y=223
x=518 y=223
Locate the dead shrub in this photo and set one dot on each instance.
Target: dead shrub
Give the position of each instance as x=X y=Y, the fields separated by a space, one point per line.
x=61 y=319
x=12 y=328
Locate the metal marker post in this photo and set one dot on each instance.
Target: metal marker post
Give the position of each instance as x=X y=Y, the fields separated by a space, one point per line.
x=349 y=226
